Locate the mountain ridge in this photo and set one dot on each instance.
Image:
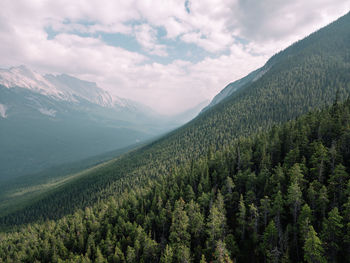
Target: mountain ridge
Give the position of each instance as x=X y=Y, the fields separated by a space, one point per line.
x=305 y=77
x=73 y=118
x=60 y=87
x=236 y=85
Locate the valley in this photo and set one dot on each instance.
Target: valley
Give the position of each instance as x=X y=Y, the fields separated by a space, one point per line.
x=259 y=174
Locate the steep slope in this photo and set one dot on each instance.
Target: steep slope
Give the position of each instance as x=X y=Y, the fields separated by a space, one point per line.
x=236 y=85
x=305 y=76
x=282 y=195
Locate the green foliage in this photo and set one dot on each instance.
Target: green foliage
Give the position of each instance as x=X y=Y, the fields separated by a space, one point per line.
x=332 y=233
x=223 y=221
x=247 y=199
x=270 y=243
x=305 y=76
x=313 y=251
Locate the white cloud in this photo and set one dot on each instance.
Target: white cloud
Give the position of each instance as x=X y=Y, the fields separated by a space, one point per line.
x=147 y=37
x=239 y=35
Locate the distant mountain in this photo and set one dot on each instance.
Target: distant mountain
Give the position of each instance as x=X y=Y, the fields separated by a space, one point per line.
x=187 y=115
x=66 y=88
x=51 y=119
x=305 y=76
x=210 y=192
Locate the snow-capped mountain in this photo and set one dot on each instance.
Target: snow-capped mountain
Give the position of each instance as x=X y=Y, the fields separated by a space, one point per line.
x=47 y=120
x=61 y=87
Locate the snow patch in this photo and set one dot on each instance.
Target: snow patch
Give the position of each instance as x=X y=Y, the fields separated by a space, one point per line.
x=25 y=78
x=48 y=112
x=64 y=87
x=3 y=109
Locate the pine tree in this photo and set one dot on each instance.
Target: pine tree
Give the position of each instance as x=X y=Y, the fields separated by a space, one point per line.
x=99 y=257
x=253 y=221
x=270 y=243
x=313 y=251
x=304 y=221
x=167 y=256
x=337 y=182
x=182 y=254
x=322 y=201
x=130 y=255
x=179 y=236
x=319 y=160
x=196 y=220
x=241 y=217
x=179 y=225
x=332 y=233
x=118 y=256
x=295 y=200
x=216 y=225
x=265 y=208
x=277 y=210
x=221 y=254
x=203 y=260
x=311 y=195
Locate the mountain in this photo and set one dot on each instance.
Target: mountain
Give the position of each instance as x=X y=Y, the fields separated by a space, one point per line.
x=189 y=114
x=218 y=187
x=236 y=85
x=53 y=119
x=305 y=76
x=65 y=88
x=281 y=194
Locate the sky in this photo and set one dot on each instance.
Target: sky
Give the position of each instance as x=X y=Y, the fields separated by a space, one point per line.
x=168 y=54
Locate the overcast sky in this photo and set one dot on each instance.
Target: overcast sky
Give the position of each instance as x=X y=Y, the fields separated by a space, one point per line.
x=168 y=54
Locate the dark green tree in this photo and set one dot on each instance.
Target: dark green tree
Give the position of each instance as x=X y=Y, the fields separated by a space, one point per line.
x=313 y=251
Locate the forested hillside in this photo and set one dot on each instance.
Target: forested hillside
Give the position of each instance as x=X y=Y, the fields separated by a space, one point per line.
x=280 y=196
x=305 y=76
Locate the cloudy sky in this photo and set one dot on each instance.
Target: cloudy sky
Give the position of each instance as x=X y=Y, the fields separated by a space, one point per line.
x=168 y=54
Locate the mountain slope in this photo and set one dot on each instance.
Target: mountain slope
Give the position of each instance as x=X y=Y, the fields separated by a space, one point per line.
x=236 y=85
x=305 y=76
x=50 y=120
x=282 y=195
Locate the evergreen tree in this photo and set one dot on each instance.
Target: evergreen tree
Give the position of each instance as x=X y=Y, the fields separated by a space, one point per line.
x=332 y=233
x=270 y=243
x=221 y=253
x=241 y=218
x=319 y=160
x=216 y=224
x=130 y=255
x=203 y=260
x=336 y=183
x=265 y=208
x=313 y=251
x=323 y=201
x=179 y=225
x=179 y=236
x=167 y=256
x=304 y=221
x=295 y=200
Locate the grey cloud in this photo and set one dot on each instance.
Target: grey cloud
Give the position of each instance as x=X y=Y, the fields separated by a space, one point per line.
x=277 y=19
x=267 y=25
